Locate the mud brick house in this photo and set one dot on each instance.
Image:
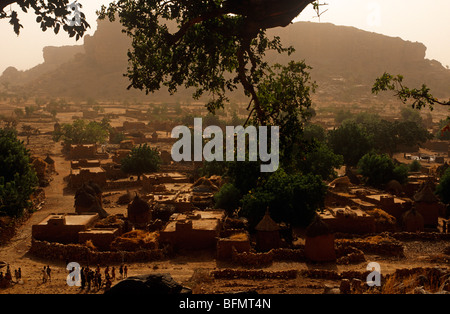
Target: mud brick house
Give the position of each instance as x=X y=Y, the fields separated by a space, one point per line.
x=348 y=220
x=62 y=228
x=101 y=238
x=394 y=206
x=84 y=163
x=120 y=154
x=83 y=151
x=129 y=126
x=113 y=171
x=79 y=176
x=194 y=230
x=152 y=182
x=239 y=241
x=428 y=205
x=126 y=144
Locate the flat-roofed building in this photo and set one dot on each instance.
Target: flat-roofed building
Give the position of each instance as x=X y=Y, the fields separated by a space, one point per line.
x=194 y=230
x=62 y=228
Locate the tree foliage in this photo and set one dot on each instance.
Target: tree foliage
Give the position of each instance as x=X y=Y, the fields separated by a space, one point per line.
x=351 y=141
x=387 y=136
x=291 y=198
x=82 y=132
x=321 y=161
x=379 y=169
x=142 y=159
x=420 y=97
x=211 y=46
x=50 y=14
x=18 y=179
x=228 y=198
x=443 y=188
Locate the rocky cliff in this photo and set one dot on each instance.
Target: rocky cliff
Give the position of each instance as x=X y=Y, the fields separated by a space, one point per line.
x=345 y=63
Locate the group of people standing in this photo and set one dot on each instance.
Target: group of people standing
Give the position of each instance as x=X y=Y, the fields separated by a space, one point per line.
x=90 y=278
x=7 y=278
x=93 y=279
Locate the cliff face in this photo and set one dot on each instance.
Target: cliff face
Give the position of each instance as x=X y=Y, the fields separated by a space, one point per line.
x=345 y=63
x=355 y=57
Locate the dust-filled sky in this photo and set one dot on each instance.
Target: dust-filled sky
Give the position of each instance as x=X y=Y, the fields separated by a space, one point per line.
x=413 y=20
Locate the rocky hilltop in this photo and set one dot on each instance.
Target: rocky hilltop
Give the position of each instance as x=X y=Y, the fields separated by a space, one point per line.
x=345 y=62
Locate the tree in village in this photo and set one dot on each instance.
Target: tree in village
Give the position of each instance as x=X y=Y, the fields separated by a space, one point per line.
x=379 y=169
x=50 y=14
x=351 y=141
x=82 y=132
x=443 y=188
x=142 y=159
x=388 y=136
x=18 y=179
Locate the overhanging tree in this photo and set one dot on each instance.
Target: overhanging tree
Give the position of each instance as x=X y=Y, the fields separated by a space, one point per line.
x=50 y=14
x=199 y=43
x=142 y=159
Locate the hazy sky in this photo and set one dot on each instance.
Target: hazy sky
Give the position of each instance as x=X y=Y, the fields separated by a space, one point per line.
x=414 y=20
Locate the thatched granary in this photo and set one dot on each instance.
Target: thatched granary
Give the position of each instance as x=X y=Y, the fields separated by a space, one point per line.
x=319 y=242
x=413 y=221
x=268 y=233
x=88 y=198
x=428 y=204
x=394 y=187
x=340 y=184
x=50 y=162
x=204 y=184
x=139 y=212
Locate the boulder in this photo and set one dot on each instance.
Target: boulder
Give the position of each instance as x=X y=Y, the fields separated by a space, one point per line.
x=149 y=284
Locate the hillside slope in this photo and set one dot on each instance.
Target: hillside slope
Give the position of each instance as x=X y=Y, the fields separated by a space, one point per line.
x=345 y=63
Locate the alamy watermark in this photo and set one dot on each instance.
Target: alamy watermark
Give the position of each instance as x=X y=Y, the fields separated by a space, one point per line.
x=75 y=20
x=74 y=276
x=213 y=149
x=374 y=278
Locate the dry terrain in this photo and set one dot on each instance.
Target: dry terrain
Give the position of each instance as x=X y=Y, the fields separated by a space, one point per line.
x=188 y=268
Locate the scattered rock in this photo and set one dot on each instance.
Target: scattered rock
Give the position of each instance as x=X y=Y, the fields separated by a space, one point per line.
x=345 y=288
x=356 y=285
x=330 y=290
x=420 y=290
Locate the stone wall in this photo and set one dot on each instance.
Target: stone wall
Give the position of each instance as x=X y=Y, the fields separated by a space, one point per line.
x=122 y=184
x=253 y=274
x=250 y=259
x=382 y=247
x=82 y=254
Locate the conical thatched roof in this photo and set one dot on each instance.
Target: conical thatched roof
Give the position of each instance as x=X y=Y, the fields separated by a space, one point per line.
x=412 y=214
x=205 y=182
x=413 y=220
x=49 y=160
x=425 y=194
x=97 y=189
x=139 y=205
x=267 y=223
x=317 y=228
x=86 y=197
